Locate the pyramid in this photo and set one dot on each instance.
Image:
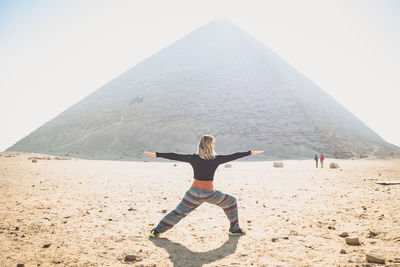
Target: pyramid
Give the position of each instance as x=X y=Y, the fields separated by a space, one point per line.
x=216 y=80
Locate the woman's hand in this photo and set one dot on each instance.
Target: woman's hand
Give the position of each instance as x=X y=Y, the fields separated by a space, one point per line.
x=150 y=154
x=256 y=152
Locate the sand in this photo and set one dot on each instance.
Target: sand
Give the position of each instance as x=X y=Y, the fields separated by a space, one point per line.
x=92 y=213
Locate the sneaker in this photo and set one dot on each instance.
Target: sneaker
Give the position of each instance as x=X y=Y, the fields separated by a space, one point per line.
x=154 y=233
x=237 y=232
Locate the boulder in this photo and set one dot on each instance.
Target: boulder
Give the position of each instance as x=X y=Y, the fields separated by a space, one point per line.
x=375 y=259
x=277 y=164
x=334 y=165
x=353 y=241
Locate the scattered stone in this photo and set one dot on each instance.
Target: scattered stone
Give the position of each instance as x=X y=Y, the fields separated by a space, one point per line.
x=131 y=209
x=46 y=245
x=388 y=182
x=16 y=228
x=20 y=265
x=228 y=165
x=175 y=165
x=364 y=208
x=342 y=251
x=132 y=258
x=344 y=234
x=248 y=221
x=353 y=241
x=274 y=239
x=34 y=161
x=331 y=227
x=286 y=237
x=277 y=165
x=375 y=259
x=164 y=211
x=372 y=234
x=334 y=165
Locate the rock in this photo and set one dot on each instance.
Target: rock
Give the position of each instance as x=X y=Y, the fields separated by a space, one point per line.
x=274 y=239
x=334 y=165
x=164 y=211
x=20 y=265
x=34 y=161
x=285 y=237
x=374 y=258
x=175 y=165
x=342 y=251
x=344 y=234
x=372 y=234
x=353 y=241
x=146 y=161
x=228 y=165
x=277 y=165
x=132 y=258
x=331 y=227
x=46 y=245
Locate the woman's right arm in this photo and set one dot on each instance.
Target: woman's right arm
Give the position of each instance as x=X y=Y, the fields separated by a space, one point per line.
x=173 y=156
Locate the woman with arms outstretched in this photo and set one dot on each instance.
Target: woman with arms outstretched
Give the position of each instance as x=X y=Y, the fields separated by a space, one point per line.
x=202 y=190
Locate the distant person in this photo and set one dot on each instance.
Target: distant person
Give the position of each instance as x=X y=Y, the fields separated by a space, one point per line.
x=322 y=158
x=316 y=160
x=202 y=190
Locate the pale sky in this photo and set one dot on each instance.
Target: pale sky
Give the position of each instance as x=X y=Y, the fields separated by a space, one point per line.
x=54 y=53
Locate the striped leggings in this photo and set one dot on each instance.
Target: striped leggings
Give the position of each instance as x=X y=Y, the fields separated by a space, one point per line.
x=195 y=197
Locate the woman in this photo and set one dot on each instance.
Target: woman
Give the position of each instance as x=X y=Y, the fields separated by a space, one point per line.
x=202 y=190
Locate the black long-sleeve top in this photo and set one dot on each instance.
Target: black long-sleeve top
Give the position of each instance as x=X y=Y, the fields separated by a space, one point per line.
x=203 y=169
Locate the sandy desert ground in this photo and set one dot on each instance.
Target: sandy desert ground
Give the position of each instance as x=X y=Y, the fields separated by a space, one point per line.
x=93 y=213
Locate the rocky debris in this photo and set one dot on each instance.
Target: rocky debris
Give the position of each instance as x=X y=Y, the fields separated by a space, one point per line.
x=34 y=161
x=228 y=165
x=331 y=227
x=175 y=164
x=20 y=265
x=46 y=245
x=387 y=182
x=274 y=239
x=353 y=241
x=372 y=234
x=372 y=258
x=131 y=257
x=164 y=211
x=344 y=234
x=131 y=209
x=342 y=251
x=277 y=164
x=35 y=158
x=334 y=165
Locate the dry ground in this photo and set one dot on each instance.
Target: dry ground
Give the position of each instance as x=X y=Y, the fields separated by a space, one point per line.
x=91 y=213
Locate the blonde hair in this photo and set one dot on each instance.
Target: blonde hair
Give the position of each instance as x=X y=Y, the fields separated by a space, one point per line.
x=205 y=149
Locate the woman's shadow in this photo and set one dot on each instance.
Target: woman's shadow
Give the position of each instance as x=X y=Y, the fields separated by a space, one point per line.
x=182 y=256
